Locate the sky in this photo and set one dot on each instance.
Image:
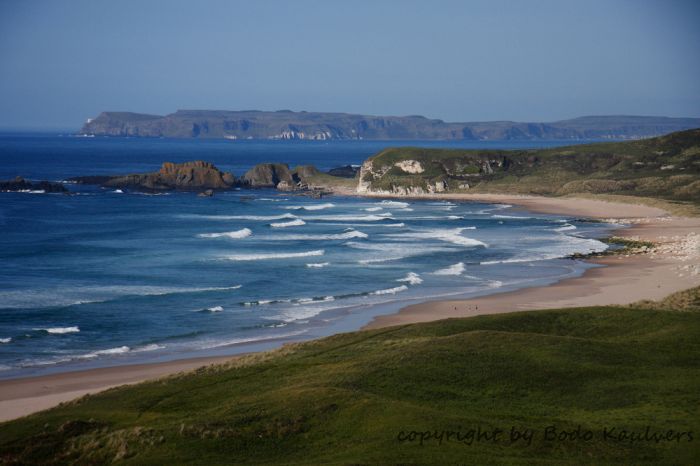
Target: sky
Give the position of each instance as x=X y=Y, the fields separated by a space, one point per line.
x=62 y=62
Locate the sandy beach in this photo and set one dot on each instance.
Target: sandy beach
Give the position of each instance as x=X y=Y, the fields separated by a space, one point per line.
x=673 y=266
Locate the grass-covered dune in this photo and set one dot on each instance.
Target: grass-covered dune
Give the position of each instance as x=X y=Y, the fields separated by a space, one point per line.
x=369 y=397
x=666 y=167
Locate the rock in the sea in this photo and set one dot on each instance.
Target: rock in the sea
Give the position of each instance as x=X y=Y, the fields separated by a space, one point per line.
x=20 y=184
x=207 y=193
x=268 y=175
x=184 y=176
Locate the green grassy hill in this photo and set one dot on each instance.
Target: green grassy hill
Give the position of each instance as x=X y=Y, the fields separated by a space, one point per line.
x=350 y=398
x=666 y=167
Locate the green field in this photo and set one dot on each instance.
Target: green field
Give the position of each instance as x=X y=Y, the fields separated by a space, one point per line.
x=363 y=398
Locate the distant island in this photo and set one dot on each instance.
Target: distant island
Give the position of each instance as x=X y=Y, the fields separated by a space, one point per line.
x=286 y=124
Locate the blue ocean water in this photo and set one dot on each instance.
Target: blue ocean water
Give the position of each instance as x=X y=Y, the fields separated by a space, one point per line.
x=104 y=277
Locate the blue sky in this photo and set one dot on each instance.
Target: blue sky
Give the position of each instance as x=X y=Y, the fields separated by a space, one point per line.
x=64 y=61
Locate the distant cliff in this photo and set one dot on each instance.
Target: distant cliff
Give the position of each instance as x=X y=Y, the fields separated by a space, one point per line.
x=285 y=124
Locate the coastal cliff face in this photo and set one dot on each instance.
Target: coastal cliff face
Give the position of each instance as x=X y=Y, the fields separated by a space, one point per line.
x=667 y=167
x=286 y=124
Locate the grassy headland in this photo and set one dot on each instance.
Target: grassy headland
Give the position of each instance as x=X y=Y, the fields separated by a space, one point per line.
x=666 y=167
x=361 y=397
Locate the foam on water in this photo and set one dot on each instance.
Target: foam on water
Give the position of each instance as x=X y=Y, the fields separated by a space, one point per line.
x=572 y=245
x=520 y=217
x=450 y=235
x=297 y=222
x=5 y=340
x=434 y=217
x=79 y=295
x=318 y=265
x=239 y=217
x=327 y=205
x=394 y=204
x=213 y=309
x=364 y=225
x=385 y=252
x=350 y=218
x=411 y=278
x=60 y=330
x=456 y=269
x=238 y=234
x=105 y=352
x=151 y=347
x=268 y=256
x=320 y=237
x=394 y=290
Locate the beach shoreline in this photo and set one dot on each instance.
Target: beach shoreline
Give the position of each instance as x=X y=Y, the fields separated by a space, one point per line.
x=623 y=280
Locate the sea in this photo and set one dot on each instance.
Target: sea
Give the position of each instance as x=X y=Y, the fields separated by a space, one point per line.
x=107 y=277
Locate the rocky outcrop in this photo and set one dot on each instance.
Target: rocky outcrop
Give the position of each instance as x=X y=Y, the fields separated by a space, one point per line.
x=348 y=171
x=269 y=175
x=19 y=184
x=205 y=178
x=196 y=175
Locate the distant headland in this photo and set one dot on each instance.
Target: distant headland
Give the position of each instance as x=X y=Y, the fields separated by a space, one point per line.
x=286 y=124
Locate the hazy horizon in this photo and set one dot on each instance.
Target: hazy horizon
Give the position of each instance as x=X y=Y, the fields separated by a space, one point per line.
x=543 y=61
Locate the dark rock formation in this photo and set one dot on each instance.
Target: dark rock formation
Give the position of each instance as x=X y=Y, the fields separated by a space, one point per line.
x=348 y=171
x=20 y=184
x=206 y=178
x=186 y=176
x=269 y=175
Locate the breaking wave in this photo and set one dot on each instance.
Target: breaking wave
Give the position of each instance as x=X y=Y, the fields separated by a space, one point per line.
x=456 y=269
x=320 y=237
x=411 y=278
x=451 y=235
x=397 y=289
x=297 y=222
x=60 y=330
x=396 y=204
x=278 y=255
x=351 y=218
x=238 y=234
x=327 y=205
x=239 y=217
